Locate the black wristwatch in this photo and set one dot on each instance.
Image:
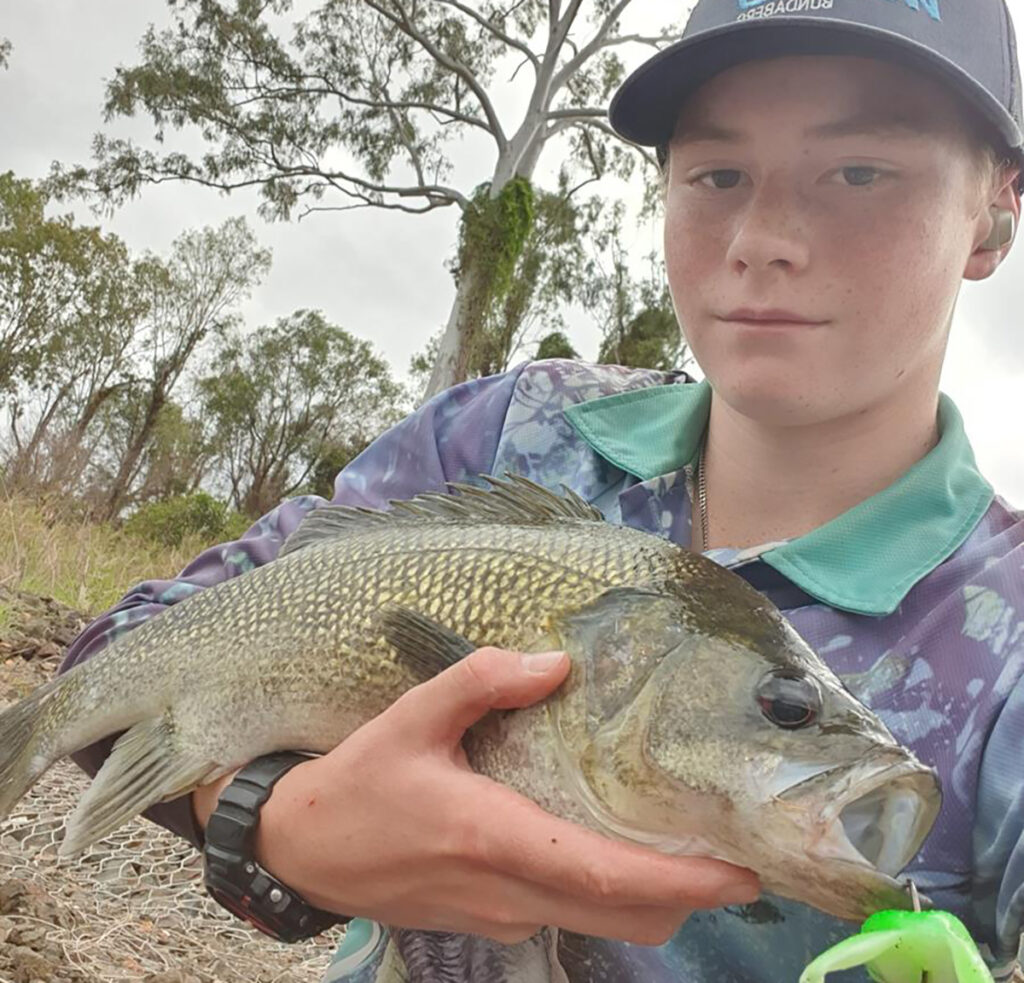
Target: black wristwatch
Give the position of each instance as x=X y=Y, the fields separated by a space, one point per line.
x=233 y=877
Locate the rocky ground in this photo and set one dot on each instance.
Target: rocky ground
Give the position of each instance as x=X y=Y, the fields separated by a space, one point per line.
x=132 y=907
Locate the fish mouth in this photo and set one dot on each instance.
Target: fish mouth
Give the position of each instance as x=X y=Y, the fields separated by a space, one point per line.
x=875 y=814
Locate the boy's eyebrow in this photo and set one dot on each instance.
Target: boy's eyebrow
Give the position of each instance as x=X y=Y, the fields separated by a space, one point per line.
x=868 y=123
x=860 y=124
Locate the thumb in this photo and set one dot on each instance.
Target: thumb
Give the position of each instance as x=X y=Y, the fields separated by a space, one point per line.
x=487 y=679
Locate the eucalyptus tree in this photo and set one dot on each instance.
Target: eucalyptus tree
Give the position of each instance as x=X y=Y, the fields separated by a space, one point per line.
x=360 y=103
x=285 y=401
x=190 y=297
x=68 y=310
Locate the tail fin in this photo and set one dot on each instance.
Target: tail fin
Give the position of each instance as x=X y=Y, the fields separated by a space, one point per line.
x=24 y=755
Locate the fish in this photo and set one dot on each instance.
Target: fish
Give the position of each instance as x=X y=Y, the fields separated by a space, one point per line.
x=694 y=719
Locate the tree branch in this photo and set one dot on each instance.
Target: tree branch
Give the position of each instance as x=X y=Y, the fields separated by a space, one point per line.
x=565 y=24
x=405 y=25
x=581 y=112
x=440 y=194
x=574 y=64
x=492 y=28
x=367 y=203
x=597 y=124
x=512 y=77
x=655 y=41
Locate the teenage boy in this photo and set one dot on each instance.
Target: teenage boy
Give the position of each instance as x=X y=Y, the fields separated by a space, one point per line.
x=833 y=170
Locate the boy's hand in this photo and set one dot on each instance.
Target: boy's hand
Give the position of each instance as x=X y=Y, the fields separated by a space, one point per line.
x=393 y=825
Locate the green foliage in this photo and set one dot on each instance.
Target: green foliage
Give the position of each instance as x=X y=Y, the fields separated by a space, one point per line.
x=176 y=456
x=363 y=104
x=333 y=458
x=554 y=270
x=651 y=339
x=421 y=364
x=59 y=553
x=170 y=521
x=194 y=297
x=494 y=231
x=556 y=345
x=66 y=291
x=282 y=399
x=639 y=321
x=492 y=236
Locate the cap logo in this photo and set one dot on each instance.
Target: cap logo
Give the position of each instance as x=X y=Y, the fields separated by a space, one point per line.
x=750 y=9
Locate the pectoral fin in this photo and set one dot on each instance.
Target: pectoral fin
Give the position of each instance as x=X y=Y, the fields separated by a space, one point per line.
x=421 y=644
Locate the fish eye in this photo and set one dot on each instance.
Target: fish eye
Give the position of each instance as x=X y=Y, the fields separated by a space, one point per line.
x=788 y=700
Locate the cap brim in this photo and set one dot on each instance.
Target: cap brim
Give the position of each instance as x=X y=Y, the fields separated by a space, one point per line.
x=645 y=108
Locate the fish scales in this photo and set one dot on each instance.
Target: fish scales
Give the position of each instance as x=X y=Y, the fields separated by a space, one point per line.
x=693 y=719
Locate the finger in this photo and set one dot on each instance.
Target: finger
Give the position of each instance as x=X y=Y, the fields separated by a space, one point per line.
x=509 y=909
x=558 y=854
x=512 y=902
x=443 y=708
x=638 y=925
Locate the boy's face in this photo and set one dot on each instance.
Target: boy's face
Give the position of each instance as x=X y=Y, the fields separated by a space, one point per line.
x=820 y=215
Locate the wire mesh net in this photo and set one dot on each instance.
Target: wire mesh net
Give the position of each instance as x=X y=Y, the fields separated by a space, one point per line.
x=131 y=908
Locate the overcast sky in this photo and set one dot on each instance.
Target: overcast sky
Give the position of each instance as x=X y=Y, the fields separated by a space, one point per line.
x=381 y=275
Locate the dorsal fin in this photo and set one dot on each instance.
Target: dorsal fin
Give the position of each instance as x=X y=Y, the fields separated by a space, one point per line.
x=513 y=500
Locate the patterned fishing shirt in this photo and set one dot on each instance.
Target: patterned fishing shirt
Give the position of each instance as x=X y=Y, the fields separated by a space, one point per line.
x=915 y=597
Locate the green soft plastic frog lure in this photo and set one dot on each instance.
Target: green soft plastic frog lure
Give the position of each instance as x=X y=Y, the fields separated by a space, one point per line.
x=906 y=947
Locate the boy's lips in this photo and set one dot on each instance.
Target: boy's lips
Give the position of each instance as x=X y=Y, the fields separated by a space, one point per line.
x=768 y=316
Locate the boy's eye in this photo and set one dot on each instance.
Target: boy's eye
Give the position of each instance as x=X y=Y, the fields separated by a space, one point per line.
x=721 y=178
x=860 y=176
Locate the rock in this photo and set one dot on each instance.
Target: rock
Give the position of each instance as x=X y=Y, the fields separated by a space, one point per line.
x=28 y=966
x=40 y=628
x=172 y=976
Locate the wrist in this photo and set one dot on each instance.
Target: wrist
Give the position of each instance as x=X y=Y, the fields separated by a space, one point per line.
x=235 y=877
x=278 y=835
x=204 y=798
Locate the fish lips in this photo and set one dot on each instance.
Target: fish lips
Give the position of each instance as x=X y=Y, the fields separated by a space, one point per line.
x=874 y=813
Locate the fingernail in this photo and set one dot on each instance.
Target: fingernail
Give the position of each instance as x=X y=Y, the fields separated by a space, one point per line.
x=538 y=662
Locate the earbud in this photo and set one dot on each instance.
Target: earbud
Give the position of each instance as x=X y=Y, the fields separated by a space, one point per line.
x=1002 y=229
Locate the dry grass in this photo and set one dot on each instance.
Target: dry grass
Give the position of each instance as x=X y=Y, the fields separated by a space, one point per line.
x=83 y=564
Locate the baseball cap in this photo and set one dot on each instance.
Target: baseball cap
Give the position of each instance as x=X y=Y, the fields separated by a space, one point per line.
x=970 y=44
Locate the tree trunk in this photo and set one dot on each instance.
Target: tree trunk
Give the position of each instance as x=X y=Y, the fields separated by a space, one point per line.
x=22 y=471
x=453 y=354
x=465 y=320
x=126 y=471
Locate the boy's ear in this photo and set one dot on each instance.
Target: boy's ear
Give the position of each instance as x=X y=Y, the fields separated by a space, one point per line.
x=996 y=228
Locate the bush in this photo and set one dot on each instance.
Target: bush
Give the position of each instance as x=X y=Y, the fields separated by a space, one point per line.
x=171 y=521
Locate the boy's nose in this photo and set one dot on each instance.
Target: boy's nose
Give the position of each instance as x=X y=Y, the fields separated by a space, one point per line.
x=770 y=232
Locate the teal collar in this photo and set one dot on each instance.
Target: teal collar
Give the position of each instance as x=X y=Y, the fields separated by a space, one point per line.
x=865 y=560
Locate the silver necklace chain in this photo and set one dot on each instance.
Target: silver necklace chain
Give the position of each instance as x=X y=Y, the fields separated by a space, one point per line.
x=702 y=497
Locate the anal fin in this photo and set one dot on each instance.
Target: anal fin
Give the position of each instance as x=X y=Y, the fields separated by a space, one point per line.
x=143 y=768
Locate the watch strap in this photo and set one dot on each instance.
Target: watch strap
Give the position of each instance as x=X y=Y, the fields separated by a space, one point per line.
x=234 y=878
x=237 y=814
